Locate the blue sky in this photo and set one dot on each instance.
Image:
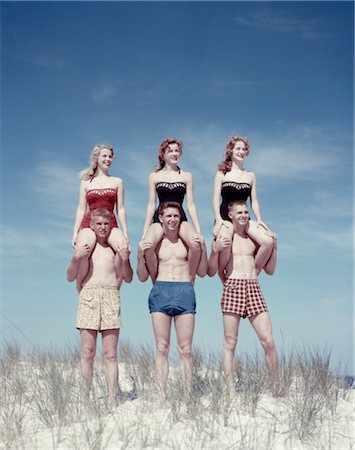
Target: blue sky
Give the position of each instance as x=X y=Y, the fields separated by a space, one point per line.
x=75 y=74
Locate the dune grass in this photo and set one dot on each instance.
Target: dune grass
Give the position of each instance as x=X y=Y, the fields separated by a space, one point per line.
x=40 y=405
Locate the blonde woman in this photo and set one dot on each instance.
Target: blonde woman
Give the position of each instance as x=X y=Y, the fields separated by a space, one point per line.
x=98 y=189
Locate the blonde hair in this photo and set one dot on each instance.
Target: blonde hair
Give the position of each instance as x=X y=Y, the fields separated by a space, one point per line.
x=89 y=172
x=100 y=212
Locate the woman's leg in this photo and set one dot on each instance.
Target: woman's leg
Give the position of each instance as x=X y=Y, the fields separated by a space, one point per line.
x=226 y=231
x=161 y=327
x=153 y=235
x=86 y=236
x=263 y=240
x=186 y=233
x=116 y=239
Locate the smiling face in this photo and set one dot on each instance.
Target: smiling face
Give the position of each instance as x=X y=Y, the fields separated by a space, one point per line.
x=239 y=214
x=239 y=151
x=172 y=153
x=170 y=218
x=105 y=159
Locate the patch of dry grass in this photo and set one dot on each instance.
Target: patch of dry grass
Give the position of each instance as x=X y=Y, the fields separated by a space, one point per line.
x=40 y=404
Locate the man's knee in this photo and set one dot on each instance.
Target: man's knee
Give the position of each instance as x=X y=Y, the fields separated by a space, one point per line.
x=88 y=353
x=110 y=354
x=163 y=348
x=230 y=342
x=185 y=350
x=268 y=344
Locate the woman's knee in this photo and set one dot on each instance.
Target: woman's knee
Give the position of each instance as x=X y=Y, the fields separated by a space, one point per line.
x=154 y=234
x=226 y=230
x=86 y=237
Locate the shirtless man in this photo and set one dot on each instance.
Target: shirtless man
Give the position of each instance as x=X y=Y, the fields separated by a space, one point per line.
x=242 y=296
x=99 y=304
x=172 y=297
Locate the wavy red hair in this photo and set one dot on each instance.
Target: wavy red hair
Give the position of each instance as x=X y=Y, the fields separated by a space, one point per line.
x=226 y=165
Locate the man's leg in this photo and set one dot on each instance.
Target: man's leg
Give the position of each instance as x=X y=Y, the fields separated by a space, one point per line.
x=263 y=328
x=109 y=348
x=230 y=326
x=87 y=355
x=161 y=327
x=184 y=326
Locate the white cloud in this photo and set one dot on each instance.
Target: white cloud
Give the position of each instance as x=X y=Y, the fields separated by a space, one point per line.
x=308 y=239
x=56 y=186
x=104 y=91
x=281 y=22
x=33 y=245
x=45 y=61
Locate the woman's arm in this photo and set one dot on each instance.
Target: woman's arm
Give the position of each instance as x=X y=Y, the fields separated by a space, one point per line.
x=80 y=211
x=216 y=201
x=190 y=203
x=120 y=208
x=254 y=202
x=151 y=203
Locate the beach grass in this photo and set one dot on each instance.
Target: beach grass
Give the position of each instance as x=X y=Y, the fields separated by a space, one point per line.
x=40 y=406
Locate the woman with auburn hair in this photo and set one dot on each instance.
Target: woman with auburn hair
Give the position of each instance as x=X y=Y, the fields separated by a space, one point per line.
x=98 y=189
x=169 y=183
x=233 y=182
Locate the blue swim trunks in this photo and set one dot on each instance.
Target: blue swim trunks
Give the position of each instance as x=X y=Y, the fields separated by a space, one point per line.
x=172 y=298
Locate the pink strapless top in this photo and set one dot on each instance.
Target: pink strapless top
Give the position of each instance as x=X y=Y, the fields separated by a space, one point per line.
x=100 y=198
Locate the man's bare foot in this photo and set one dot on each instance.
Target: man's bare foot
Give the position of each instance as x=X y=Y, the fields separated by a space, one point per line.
x=159 y=402
x=112 y=403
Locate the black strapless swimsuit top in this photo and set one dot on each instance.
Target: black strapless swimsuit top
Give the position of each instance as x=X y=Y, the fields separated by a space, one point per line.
x=231 y=191
x=172 y=192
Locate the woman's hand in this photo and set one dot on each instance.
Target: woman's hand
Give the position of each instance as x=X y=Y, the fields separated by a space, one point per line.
x=73 y=239
x=217 y=227
x=260 y=223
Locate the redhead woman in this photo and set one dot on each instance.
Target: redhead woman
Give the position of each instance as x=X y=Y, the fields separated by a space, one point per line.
x=234 y=182
x=169 y=183
x=98 y=189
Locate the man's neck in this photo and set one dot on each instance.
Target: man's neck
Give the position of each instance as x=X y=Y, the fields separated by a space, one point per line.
x=171 y=235
x=102 y=241
x=240 y=230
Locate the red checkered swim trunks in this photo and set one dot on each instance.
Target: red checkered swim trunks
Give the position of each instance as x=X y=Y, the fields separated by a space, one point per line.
x=242 y=297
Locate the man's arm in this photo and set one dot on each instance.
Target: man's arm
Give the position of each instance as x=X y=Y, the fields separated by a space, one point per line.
x=142 y=270
x=203 y=264
x=218 y=245
x=123 y=264
x=79 y=254
x=271 y=264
